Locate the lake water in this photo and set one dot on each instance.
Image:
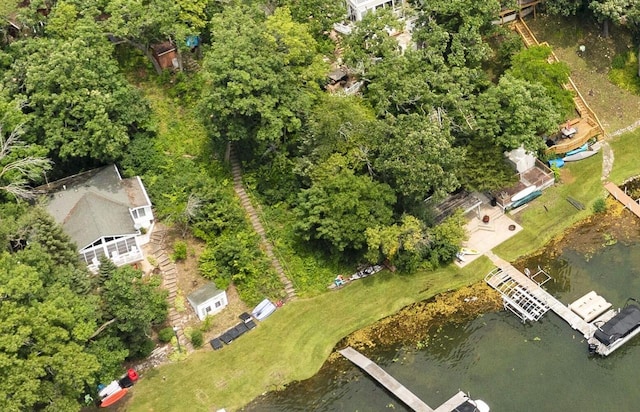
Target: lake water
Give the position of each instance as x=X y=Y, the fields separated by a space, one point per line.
x=542 y=366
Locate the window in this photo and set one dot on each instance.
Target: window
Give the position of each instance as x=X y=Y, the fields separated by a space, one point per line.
x=218 y=304
x=207 y=309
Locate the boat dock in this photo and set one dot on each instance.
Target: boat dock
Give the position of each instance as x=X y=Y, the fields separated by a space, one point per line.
x=623 y=198
x=523 y=295
x=507 y=274
x=396 y=388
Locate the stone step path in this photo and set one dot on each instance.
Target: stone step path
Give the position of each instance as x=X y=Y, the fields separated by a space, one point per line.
x=169 y=282
x=236 y=171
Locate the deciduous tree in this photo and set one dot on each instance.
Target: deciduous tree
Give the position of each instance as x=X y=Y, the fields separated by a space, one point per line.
x=339 y=210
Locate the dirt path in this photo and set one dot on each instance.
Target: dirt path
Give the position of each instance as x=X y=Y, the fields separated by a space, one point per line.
x=257 y=226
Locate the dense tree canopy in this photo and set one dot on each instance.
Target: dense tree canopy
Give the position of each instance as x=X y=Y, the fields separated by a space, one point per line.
x=261 y=73
x=78 y=102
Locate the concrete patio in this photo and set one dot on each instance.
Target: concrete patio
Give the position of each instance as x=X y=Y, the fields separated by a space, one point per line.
x=485 y=236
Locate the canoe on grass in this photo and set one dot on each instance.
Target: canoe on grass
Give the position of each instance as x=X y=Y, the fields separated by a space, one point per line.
x=582 y=148
x=579 y=156
x=524 y=193
x=525 y=199
x=113 y=398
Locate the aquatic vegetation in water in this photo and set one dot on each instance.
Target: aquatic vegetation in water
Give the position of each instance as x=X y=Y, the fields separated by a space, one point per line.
x=609 y=239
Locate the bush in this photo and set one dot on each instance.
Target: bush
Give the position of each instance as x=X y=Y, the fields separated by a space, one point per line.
x=624 y=72
x=196 y=338
x=166 y=334
x=179 y=250
x=600 y=205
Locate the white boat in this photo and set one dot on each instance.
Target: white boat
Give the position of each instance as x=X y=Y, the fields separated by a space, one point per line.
x=263 y=310
x=524 y=193
x=579 y=156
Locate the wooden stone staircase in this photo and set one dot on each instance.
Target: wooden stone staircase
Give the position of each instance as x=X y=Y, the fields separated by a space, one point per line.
x=589 y=117
x=236 y=171
x=169 y=282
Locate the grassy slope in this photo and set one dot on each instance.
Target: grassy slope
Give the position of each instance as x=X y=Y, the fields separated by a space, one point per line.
x=615 y=107
x=625 y=149
x=291 y=345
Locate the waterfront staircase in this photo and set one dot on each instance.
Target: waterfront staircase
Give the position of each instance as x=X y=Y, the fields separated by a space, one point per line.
x=267 y=246
x=587 y=123
x=169 y=274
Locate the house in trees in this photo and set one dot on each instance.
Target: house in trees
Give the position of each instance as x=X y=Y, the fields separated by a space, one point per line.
x=208 y=300
x=356 y=9
x=104 y=214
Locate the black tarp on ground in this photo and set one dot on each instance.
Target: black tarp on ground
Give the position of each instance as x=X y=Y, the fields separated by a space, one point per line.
x=251 y=324
x=216 y=343
x=233 y=333
x=241 y=328
x=619 y=326
x=226 y=338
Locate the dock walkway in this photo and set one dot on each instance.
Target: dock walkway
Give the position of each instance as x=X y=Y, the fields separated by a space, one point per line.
x=575 y=321
x=623 y=198
x=388 y=381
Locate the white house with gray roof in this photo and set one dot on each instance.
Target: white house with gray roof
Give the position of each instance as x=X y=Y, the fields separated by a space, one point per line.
x=356 y=9
x=104 y=214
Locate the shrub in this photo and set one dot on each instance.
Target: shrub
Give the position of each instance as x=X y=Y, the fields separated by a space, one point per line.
x=207 y=324
x=624 y=72
x=600 y=205
x=179 y=250
x=166 y=334
x=196 y=338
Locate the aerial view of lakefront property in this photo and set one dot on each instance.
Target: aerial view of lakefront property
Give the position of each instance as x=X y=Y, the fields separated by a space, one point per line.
x=362 y=205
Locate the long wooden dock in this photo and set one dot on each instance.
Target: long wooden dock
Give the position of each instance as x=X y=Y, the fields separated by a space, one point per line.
x=559 y=308
x=458 y=400
x=623 y=198
x=386 y=380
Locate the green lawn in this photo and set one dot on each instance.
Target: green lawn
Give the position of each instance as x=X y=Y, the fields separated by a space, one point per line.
x=290 y=345
x=625 y=149
x=551 y=213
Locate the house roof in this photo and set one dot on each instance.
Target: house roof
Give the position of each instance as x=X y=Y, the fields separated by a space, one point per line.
x=95 y=204
x=203 y=294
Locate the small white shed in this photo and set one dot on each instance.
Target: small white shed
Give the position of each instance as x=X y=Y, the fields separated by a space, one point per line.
x=521 y=160
x=208 y=300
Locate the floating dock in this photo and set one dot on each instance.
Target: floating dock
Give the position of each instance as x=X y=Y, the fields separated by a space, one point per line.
x=401 y=392
x=523 y=295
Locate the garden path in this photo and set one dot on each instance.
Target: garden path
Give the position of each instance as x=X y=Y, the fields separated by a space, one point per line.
x=170 y=282
x=236 y=171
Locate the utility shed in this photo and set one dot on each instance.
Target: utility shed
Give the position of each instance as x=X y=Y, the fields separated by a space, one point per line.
x=208 y=300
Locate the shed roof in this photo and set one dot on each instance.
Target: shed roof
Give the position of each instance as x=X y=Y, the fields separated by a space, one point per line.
x=95 y=204
x=203 y=294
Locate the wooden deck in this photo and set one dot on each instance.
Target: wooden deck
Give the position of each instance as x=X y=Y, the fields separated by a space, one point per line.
x=623 y=198
x=386 y=380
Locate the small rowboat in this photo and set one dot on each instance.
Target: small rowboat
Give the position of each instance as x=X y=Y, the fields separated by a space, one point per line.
x=524 y=193
x=579 y=156
x=113 y=398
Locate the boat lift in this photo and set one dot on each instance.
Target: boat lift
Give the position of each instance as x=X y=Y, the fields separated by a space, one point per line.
x=525 y=303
